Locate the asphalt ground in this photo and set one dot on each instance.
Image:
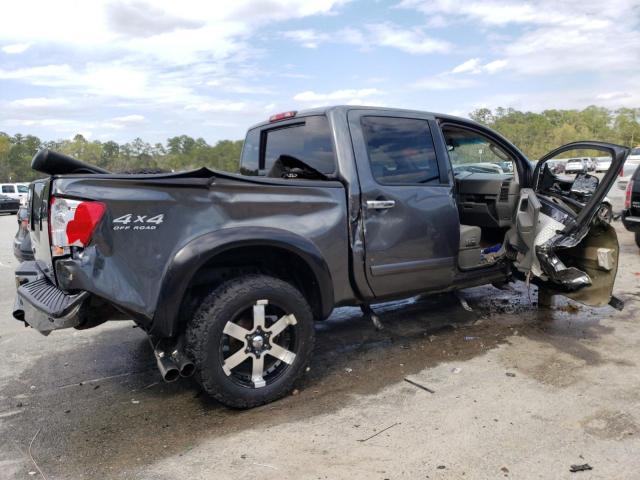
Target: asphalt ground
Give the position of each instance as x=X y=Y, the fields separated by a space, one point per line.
x=515 y=392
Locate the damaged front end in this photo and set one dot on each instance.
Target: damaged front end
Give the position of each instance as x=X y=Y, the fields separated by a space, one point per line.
x=570 y=248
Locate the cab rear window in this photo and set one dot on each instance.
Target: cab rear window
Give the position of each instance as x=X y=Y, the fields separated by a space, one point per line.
x=306 y=143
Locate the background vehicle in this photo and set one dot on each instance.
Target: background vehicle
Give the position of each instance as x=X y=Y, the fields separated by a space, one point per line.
x=8 y=204
x=629 y=167
x=16 y=191
x=575 y=165
x=603 y=164
x=631 y=212
x=335 y=206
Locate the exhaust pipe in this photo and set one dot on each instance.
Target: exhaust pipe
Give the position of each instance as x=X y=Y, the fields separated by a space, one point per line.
x=168 y=369
x=171 y=359
x=185 y=366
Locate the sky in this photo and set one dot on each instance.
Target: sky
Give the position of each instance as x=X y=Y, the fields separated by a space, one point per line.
x=117 y=70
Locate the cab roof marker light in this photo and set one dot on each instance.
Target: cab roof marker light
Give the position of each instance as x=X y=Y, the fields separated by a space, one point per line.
x=282 y=116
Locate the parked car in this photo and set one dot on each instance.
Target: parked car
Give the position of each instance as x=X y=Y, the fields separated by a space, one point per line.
x=603 y=164
x=629 y=167
x=335 y=206
x=631 y=212
x=16 y=191
x=22 y=241
x=575 y=165
x=8 y=204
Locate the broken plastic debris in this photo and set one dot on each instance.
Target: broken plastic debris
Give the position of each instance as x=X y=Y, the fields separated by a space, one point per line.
x=348 y=370
x=456 y=370
x=580 y=468
x=135 y=401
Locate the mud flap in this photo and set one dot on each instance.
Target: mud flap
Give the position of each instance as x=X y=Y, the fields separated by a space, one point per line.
x=594 y=261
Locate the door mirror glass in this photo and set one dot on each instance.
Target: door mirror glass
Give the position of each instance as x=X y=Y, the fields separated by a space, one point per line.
x=584 y=185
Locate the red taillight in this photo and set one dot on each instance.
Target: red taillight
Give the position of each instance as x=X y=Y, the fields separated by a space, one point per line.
x=282 y=116
x=72 y=223
x=627 y=195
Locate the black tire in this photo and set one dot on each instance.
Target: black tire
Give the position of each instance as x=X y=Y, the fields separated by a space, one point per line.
x=638 y=239
x=207 y=343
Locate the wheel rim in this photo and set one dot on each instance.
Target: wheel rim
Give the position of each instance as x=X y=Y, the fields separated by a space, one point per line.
x=258 y=344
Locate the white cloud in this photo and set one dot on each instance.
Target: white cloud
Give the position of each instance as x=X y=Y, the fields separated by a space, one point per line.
x=475 y=66
x=443 y=82
x=411 y=40
x=15 y=48
x=307 y=38
x=559 y=37
x=351 y=95
x=133 y=118
x=470 y=66
x=39 y=102
x=218 y=106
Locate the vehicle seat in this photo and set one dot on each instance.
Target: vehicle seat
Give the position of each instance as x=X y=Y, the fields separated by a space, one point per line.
x=469 y=250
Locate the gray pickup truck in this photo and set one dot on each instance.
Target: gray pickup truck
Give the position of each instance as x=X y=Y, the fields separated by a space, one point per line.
x=227 y=273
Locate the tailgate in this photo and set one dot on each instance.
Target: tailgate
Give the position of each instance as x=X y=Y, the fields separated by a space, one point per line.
x=39 y=225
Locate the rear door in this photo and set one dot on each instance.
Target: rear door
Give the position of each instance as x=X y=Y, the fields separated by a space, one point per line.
x=411 y=225
x=576 y=249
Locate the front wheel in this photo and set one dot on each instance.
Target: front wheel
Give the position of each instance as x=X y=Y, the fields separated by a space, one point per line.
x=251 y=339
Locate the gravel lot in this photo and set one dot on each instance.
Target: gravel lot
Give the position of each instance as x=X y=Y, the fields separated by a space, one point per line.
x=518 y=393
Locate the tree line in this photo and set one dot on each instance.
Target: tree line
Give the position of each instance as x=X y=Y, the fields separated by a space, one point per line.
x=534 y=133
x=178 y=153
x=538 y=133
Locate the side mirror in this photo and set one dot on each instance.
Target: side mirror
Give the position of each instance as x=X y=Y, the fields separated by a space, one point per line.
x=585 y=185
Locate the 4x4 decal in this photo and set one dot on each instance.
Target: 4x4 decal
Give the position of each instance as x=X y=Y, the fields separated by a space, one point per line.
x=132 y=221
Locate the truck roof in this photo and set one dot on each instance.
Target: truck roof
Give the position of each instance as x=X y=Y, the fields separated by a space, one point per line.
x=345 y=108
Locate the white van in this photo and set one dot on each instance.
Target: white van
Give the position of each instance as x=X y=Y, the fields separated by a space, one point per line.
x=19 y=191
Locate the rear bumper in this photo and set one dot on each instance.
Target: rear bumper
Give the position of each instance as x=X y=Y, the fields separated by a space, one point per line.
x=631 y=222
x=42 y=305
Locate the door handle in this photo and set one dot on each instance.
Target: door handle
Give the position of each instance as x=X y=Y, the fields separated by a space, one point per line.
x=380 y=204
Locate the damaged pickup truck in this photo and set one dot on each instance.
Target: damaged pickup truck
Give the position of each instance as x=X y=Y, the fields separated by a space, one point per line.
x=227 y=273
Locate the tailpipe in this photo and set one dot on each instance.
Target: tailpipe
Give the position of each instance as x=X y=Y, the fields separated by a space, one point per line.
x=171 y=359
x=185 y=366
x=168 y=369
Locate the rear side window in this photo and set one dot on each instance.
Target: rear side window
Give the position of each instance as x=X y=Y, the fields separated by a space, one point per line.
x=307 y=142
x=23 y=189
x=249 y=163
x=400 y=150
x=8 y=189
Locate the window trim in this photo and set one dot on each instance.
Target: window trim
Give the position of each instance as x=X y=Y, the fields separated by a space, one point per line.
x=294 y=122
x=435 y=182
x=503 y=143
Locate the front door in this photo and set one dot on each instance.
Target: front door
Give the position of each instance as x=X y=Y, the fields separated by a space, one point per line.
x=576 y=248
x=411 y=226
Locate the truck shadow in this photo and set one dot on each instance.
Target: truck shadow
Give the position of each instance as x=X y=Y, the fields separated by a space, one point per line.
x=103 y=409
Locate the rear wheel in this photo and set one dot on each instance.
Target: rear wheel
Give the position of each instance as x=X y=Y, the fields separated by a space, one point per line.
x=638 y=239
x=251 y=339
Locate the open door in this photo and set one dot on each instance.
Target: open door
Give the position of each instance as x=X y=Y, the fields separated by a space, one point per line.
x=575 y=250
